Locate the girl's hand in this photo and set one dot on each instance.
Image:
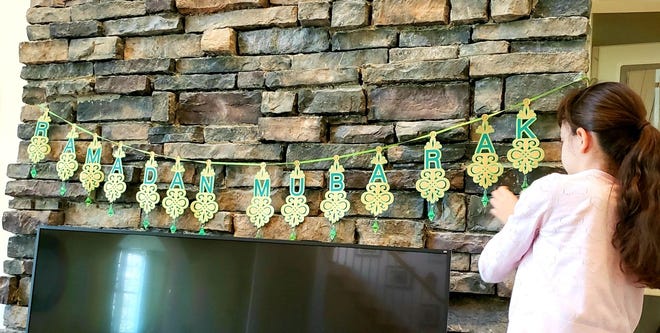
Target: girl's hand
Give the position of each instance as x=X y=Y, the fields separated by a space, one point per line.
x=503 y=202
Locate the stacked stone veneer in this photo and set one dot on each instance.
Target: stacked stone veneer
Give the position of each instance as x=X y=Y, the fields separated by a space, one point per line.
x=285 y=80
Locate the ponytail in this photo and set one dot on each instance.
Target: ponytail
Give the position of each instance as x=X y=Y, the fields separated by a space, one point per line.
x=637 y=234
x=618 y=117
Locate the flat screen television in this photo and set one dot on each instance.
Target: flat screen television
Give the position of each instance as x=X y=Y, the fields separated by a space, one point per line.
x=87 y=280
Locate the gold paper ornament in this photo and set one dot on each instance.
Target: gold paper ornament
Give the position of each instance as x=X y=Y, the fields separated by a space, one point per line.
x=91 y=175
x=204 y=207
x=335 y=205
x=176 y=202
x=260 y=209
x=38 y=147
x=295 y=209
x=67 y=164
x=432 y=183
x=526 y=152
x=377 y=198
x=148 y=195
x=115 y=185
x=485 y=168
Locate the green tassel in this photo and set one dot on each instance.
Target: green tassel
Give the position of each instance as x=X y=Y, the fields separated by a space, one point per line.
x=292 y=236
x=88 y=201
x=484 y=198
x=375 y=226
x=145 y=223
x=525 y=184
x=202 y=231
x=63 y=189
x=173 y=228
x=431 y=211
x=333 y=233
x=111 y=211
x=33 y=171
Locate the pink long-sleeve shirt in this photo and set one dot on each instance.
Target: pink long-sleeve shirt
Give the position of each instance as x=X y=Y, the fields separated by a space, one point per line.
x=559 y=238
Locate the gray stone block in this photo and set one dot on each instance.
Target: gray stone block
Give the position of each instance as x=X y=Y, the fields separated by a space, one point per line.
x=434 y=102
x=76 y=29
x=99 y=48
x=107 y=9
x=163 y=134
x=329 y=101
x=364 y=39
x=423 y=71
x=57 y=71
x=230 y=64
x=283 y=41
x=195 y=82
x=314 y=13
x=38 y=32
x=21 y=246
x=350 y=13
x=333 y=60
x=555 y=8
x=115 y=107
x=437 y=36
x=144 y=25
x=138 y=66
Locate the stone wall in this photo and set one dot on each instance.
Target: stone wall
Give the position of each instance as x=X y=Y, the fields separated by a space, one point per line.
x=253 y=80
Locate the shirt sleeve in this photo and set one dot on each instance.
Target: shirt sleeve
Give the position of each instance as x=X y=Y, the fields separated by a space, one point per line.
x=503 y=252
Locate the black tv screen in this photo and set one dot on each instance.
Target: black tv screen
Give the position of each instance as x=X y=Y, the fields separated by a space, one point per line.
x=87 y=280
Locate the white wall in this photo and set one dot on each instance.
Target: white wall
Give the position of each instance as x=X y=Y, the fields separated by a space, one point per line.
x=12 y=32
x=611 y=58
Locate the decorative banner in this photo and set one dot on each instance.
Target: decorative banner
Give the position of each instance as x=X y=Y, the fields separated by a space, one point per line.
x=260 y=209
x=485 y=168
x=204 y=207
x=175 y=201
x=115 y=185
x=295 y=209
x=91 y=175
x=38 y=147
x=432 y=183
x=335 y=205
x=526 y=153
x=67 y=164
x=377 y=198
x=148 y=195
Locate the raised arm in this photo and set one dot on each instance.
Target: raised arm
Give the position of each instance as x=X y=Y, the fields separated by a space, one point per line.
x=504 y=251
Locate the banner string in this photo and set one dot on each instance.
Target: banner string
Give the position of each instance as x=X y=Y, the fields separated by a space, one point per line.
x=330 y=158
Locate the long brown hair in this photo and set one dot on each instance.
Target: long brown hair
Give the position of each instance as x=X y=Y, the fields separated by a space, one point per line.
x=617 y=115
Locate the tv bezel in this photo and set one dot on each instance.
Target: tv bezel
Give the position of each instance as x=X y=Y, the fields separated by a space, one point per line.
x=227 y=237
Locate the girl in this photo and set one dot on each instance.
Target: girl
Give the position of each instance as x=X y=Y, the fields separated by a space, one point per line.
x=586 y=243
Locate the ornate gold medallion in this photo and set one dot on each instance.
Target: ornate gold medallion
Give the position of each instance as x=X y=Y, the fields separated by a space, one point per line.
x=335 y=205
x=67 y=164
x=115 y=185
x=295 y=209
x=260 y=209
x=205 y=206
x=432 y=183
x=148 y=195
x=91 y=175
x=39 y=147
x=526 y=152
x=176 y=202
x=377 y=199
x=485 y=168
